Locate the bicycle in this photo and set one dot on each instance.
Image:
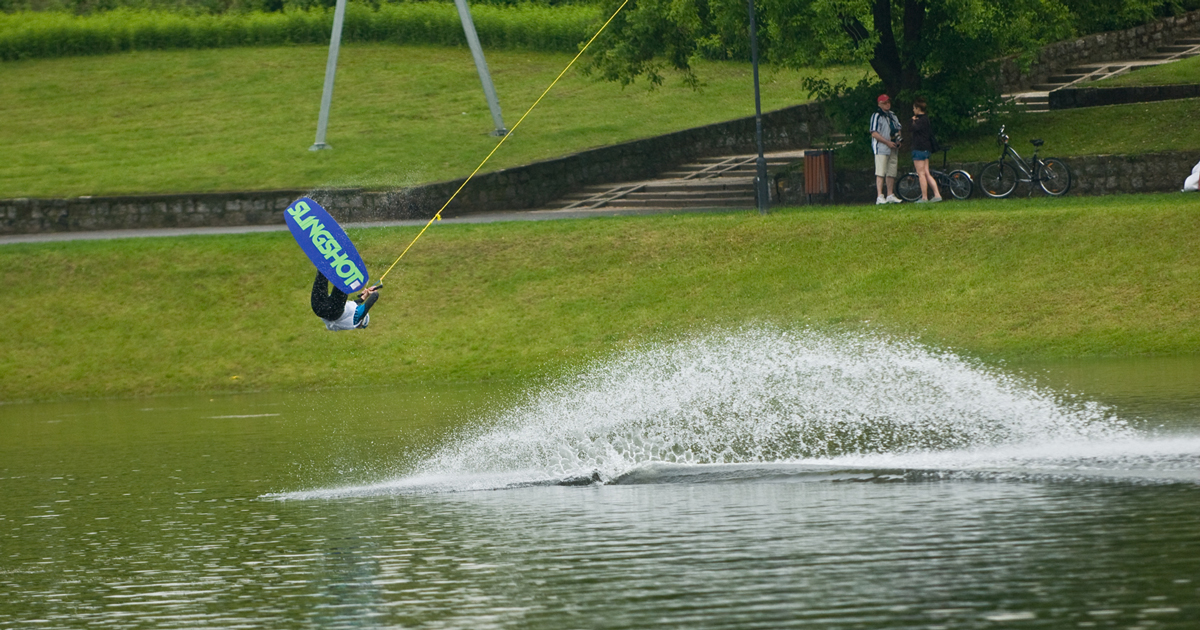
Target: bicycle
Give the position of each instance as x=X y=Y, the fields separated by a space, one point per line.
x=958 y=182
x=999 y=179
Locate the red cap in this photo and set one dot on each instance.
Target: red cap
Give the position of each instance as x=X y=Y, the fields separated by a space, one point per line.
x=883 y=98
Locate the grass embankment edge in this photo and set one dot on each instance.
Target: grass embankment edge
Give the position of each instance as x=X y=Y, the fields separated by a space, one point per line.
x=1013 y=279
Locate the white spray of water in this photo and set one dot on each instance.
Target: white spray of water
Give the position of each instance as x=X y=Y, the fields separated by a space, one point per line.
x=761 y=396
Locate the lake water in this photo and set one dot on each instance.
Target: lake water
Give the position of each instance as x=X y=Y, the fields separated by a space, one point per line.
x=751 y=479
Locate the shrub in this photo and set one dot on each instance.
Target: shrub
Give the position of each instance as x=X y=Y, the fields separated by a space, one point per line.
x=54 y=34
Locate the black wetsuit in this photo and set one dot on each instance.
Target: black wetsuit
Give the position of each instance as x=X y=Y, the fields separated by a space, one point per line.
x=327 y=305
x=331 y=305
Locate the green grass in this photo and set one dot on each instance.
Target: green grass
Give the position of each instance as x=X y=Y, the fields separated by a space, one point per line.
x=1112 y=130
x=1174 y=73
x=243 y=119
x=1037 y=278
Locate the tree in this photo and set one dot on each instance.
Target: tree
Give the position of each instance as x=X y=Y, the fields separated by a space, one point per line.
x=941 y=49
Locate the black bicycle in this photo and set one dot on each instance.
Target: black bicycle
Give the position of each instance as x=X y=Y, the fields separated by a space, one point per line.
x=1000 y=178
x=958 y=182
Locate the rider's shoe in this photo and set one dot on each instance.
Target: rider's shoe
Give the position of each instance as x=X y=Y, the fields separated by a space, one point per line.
x=893 y=199
x=935 y=200
x=879 y=201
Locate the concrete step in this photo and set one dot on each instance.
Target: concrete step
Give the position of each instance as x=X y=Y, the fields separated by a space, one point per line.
x=703 y=186
x=1089 y=68
x=685 y=202
x=712 y=182
x=716 y=166
x=744 y=170
x=700 y=176
x=687 y=194
x=700 y=202
x=661 y=197
x=741 y=158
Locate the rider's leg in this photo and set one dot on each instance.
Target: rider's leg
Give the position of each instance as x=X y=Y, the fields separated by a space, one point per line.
x=325 y=304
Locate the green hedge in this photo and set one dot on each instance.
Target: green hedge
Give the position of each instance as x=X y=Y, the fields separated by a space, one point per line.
x=35 y=34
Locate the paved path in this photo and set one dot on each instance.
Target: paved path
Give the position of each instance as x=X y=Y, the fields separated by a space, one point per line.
x=487 y=217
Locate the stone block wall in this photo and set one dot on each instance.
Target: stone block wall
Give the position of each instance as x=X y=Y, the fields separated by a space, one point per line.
x=1128 y=44
x=519 y=188
x=1091 y=175
x=1068 y=98
x=26 y=216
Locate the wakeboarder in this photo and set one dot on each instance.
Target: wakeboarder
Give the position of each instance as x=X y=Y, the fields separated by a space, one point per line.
x=336 y=310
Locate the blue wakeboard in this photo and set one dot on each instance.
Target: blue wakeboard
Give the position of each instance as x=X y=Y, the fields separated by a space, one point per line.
x=326 y=245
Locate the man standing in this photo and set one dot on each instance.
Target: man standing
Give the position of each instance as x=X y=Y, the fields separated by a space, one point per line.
x=885 y=143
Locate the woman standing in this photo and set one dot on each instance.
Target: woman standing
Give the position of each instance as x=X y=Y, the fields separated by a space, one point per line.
x=922 y=149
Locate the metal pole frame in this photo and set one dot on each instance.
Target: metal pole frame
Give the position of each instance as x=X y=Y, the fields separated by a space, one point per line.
x=485 y=77
x=335 y=41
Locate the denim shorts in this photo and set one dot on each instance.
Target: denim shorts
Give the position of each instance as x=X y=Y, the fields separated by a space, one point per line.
x=921 y=155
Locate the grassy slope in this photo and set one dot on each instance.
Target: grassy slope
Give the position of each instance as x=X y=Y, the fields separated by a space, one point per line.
x=1176 y=72
x=238 y=119
x=1017 y=278
x=244 y=118
x=1112 y=130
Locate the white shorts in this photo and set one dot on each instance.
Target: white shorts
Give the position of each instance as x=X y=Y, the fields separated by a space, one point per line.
x=886 y=165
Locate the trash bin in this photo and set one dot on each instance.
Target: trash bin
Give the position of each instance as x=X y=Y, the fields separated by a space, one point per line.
x=818 y=173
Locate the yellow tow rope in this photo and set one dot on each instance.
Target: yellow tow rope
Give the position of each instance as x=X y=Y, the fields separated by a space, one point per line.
x=438 y=215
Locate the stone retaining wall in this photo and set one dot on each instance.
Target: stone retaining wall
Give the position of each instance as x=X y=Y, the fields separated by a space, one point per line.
x=1133 y=43
x=519 y=188
x=1068 y=98
x=1091 y=175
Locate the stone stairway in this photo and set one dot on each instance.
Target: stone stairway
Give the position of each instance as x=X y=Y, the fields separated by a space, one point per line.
x=1038 y=98
x=716 y=182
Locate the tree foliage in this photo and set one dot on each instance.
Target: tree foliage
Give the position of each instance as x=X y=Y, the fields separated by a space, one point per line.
x=943 y=50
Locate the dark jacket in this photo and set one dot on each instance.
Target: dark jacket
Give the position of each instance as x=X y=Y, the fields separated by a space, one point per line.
x=922 y=133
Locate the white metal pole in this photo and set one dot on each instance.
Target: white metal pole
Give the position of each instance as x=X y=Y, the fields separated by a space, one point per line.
x=485 y=77
x=335 y=40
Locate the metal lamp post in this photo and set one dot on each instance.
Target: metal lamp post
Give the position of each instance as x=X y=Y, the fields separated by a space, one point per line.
x=762 y=192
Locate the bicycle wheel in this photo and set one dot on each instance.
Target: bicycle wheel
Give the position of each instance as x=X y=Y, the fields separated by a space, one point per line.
x=909 y=187
x=998 y=180
x=960 y=184
x=1054 y=177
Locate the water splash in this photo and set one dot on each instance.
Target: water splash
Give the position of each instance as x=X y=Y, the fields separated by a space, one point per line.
x=761 y=396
